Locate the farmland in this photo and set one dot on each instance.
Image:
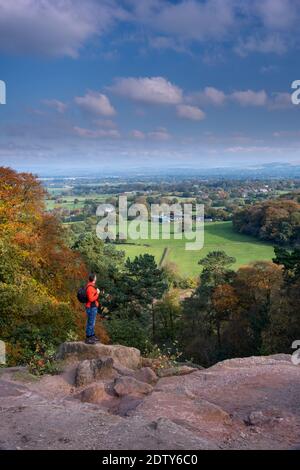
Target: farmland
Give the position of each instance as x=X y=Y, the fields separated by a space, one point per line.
x=218 y=236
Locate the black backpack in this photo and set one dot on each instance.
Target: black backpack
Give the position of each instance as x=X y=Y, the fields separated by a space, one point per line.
x=81 y=295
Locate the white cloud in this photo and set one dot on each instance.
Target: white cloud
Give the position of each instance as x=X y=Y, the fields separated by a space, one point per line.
x=277 y=14
x=166 y=42
x=152 y=90
x=190 y=112
x=266 y=69
x=59 y=106
x=64 y=27
x=214 y=96
x=187 y=19
x=95 y=103
x=273 y=43
x=253 y=149
x=136 y=134
x=250 y=98
x=98 y=133
x=159 y=134
x=280 y=100
x=209 y=96
x=178 y=25
x=286 y=134
x=54 y=27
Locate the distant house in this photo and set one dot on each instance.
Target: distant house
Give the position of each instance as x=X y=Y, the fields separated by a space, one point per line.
x=161 y=218
x=109 y=209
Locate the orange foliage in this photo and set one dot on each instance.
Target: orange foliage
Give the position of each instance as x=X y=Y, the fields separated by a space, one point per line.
x=224 y=298
x=38 y=237
x=261 y=275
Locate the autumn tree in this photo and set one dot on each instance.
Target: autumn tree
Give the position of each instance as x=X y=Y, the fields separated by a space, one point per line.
x=258 y=289
x=276 y=220
x=39 y=274
x=203 y=316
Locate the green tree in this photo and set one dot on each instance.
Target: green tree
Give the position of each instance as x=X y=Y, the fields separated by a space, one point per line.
x=138 y=287
x=284 y=323
x=290 y=260
x=168 y=314
x=106 y=261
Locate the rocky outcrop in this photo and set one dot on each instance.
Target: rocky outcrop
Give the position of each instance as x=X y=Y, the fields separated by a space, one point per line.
x=89 y=371
x=77 y=350
x=95 y=394
x=130 y=386
x=180 y=370
x=113 y=400
x=146 y=374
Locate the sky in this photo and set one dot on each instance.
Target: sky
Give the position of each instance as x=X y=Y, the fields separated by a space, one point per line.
x=123 y=84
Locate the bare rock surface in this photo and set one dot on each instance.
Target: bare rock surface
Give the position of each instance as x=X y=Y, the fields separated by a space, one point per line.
x=96 y=393
x=89 y=371
x=146 y=374
x=127 y=357
x=130 y=386
x=248 y=403
x=180 y=370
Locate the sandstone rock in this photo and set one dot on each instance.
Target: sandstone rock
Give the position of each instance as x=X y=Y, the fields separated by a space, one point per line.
x=130 y=386
x=202 y=410
x=253 y=361
x=90 y=370
x=78 y=350
x=124 y=371
x=211 y=412
x=194 y=366
x=257 y=418
x=145 y=374
x=146 y=362
x=160 y=434
x=180 y=370
x=128 y=404
x=94 y=394
x=179 y=436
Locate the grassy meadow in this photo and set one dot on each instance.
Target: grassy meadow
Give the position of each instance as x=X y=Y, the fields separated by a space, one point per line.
x=68 y=202
x=218 y=236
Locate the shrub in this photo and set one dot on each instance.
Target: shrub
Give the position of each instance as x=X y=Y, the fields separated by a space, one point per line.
x=163 y=357
x=128 y=332
x=43 y=361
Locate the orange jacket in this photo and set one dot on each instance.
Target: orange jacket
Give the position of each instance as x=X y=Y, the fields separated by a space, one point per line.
x=92 y=295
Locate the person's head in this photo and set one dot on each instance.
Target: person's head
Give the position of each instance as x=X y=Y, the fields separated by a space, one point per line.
x=92 y=277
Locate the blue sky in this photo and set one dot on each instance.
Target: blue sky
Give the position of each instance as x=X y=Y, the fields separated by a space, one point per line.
x=148 y=83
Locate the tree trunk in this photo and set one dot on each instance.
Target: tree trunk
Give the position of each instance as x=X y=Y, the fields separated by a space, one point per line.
x=219 y=335
x=153 y=324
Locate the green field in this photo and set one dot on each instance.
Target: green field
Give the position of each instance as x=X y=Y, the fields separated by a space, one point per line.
x=68 y=201
x=218 y=236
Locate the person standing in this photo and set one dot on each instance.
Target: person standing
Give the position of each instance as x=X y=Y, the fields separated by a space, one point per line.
x=92 y=294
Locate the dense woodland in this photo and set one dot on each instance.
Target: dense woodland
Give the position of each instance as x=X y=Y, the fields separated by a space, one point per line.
x=254 y=310
x=277 y=220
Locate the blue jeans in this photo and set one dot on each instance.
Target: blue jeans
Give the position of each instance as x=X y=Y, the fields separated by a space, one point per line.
x=91 y=313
